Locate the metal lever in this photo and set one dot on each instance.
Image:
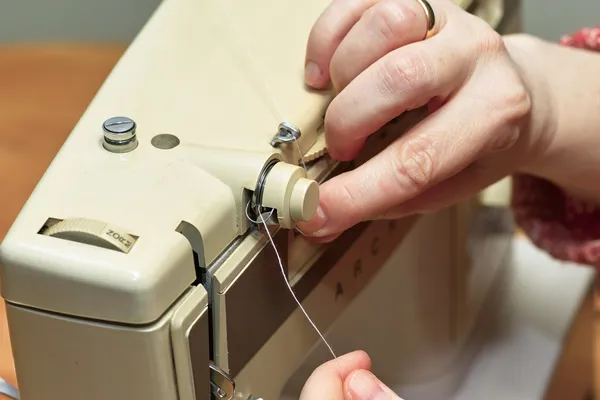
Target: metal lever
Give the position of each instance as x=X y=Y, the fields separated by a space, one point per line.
x=223 y=387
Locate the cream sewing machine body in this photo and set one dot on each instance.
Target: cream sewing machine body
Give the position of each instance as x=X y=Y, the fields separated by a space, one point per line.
x=133 y=271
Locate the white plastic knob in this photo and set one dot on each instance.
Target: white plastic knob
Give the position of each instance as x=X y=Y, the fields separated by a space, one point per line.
x=304 y=200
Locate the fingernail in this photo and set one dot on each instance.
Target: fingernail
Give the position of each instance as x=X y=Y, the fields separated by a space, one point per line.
x=312 y=73
x=364 y=385
x=312 y=227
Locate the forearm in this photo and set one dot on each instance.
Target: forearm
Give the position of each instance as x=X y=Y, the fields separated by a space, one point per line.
x=565 y=87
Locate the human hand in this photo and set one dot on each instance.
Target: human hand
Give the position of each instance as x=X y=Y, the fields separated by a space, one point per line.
x=478 y=130
x=348 y=378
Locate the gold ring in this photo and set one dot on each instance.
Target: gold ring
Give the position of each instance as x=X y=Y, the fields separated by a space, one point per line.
x=430 y=18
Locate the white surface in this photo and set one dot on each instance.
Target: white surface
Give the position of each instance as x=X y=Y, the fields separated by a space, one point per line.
x=541 y=298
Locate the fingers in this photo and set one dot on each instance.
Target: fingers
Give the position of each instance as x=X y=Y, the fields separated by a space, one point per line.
x=386 y=26
x=326 y=35
x=347 y=378
x=404 y=79
x=363 y=385
x=327 y=381
x=352 y=34
x=444 y=144
x=472 y=180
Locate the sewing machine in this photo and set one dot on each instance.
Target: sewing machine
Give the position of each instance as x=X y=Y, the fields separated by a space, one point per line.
x=135 y=271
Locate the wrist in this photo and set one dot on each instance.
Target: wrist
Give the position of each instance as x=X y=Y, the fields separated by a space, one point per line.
x=565 y=123
x=540 y=129
x=558 y=212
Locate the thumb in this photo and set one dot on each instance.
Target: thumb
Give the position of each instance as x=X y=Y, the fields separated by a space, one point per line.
x=363 y=385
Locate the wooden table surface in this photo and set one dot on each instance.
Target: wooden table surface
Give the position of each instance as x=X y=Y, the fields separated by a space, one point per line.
x=43 y=92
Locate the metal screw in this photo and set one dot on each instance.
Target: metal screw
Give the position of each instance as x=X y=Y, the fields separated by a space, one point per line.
x=119 y=134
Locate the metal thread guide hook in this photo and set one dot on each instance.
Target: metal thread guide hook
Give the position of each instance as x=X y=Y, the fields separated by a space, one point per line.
x=287 y=133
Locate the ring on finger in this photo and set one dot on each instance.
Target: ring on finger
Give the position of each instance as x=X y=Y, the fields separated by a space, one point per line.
x=430 y=15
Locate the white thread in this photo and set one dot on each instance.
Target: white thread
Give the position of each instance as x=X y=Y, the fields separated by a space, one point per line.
x=287 y=282
x=279 y=115
x=300 y=154
x=250 y=219
x=285 y=279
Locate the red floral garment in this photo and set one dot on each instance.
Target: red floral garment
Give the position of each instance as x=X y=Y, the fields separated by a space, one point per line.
x=566 y=228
